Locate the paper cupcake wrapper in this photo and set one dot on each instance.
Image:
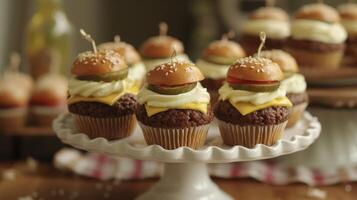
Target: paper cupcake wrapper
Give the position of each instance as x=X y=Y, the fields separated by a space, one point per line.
x=172 y=138
x=44 y=115
x=12 y=118
x=250 y=135
x=109 y=128
x=296 y=113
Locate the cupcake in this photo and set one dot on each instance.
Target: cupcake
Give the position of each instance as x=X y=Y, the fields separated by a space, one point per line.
x=252 y=109
x=174 y=108
x=137 y=71
x=348 y=14
x=294 y=83
x=161 y=49
x=48 y=99
x=317 y=37
x=215 y=61
x=271 y=20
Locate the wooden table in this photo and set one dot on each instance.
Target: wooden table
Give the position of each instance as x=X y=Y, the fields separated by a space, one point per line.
x=48 y=183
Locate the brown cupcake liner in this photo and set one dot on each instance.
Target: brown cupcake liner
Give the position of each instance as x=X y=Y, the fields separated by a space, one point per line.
x=250 y=135
x=12 y=118
x=172 y=138
x=109 y=128
x=296 y=113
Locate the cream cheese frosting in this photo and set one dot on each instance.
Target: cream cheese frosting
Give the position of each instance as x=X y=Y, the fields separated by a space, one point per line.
x=151 y=98
x=275 y=29
x=94 y=89
x=137 y=72
x=304 y=29
x=212 y=70
x=152 y=63
x=294 y=84
x=350 y=26
x=257 y=98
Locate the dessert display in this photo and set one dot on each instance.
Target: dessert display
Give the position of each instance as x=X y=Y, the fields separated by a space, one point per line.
x=348 y=14
x=174 y=108
x=252 y=107
x=273 y=21
x=215 y=61
x=317 y=37
x=48 y=99
x=100 y=99
x=294 y=83
x=137 y=71
x=159 y=49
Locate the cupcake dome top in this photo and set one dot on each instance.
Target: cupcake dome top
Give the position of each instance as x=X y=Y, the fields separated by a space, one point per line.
x=161 y=46
x=126 y=50
x=286 y=62
x=270 y=12
x=318 y=11
x=348 y=11
x=223 y=48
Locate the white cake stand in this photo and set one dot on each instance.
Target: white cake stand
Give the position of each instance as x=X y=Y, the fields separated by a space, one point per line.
x=185 y=173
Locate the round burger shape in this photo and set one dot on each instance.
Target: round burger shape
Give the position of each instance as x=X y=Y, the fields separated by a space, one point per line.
x=137 y=71
x=99 y=98
x=174 y=108
x=215 y=61
x=253 y=108
x=160 y=49
x=294 y=83
x=273 y=21
x=317 y=37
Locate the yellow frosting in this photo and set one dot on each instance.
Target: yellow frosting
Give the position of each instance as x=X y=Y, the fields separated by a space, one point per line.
x=110 y=99
x=152 y=110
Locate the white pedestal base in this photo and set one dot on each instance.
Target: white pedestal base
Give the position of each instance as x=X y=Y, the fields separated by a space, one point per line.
x=183 y=181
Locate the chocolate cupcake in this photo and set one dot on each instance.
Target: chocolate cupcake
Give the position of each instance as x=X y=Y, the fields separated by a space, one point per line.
x=348 y=14
x=137 y=71
x=174 y=108
x=294 y=83
x=317 y=37
x=271 y=20
x=215 y=61
x=160 y=49
x=253 y=109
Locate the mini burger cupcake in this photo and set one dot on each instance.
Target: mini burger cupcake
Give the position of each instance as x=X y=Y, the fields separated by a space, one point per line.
x=159 y=49
x=215 y=61
x=294 y=83
x=48 y=99
x=99 y=100
x=348 y=14
x=271 y=20
x=132 y=58
x=317 y=37
x=174 y=108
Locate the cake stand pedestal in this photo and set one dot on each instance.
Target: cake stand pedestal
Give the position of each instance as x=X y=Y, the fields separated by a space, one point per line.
x=185 y=173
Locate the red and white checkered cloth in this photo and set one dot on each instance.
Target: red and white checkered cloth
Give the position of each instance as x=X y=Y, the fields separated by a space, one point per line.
x=106 y=167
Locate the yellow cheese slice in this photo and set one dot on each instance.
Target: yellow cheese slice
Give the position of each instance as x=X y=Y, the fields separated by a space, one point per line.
x=135 y=88
x=110 y=99
x=151 y=110
x=245 y=107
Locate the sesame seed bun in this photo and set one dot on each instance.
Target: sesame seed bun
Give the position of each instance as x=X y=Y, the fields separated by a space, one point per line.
x=90 y=63
x=274 y=13
x=348 y=11
x=126 y=50
x=255 y=69
x=318 y=11
x=286 y=62
x=223 y=48
x=161 y=46
x=174 y=73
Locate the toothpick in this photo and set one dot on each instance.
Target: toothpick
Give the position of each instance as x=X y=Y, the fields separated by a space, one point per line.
x=263 y=37
x=15 y=61
x=163 y=28
x=117 y=38
x=89 y=39
x=173 y=56
x=228 y=35
x=270 y=3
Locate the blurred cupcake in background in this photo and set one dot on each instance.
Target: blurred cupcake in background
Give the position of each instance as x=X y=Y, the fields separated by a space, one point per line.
x=317 y=37
x=48 y=99
x=215 y=61
x=137 y=71
x=294 y=83
x=273 y=21
x=348 y=14
x=159 y=49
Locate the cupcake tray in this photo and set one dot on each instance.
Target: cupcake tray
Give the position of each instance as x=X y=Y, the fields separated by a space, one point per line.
x=185 y=172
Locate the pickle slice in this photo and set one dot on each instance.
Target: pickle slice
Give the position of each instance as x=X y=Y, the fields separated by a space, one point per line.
x=256 y=87
x=172 y=90
x=107 y=77
x=221 y=60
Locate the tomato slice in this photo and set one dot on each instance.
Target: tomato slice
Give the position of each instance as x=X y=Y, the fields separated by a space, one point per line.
x=232 y=80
